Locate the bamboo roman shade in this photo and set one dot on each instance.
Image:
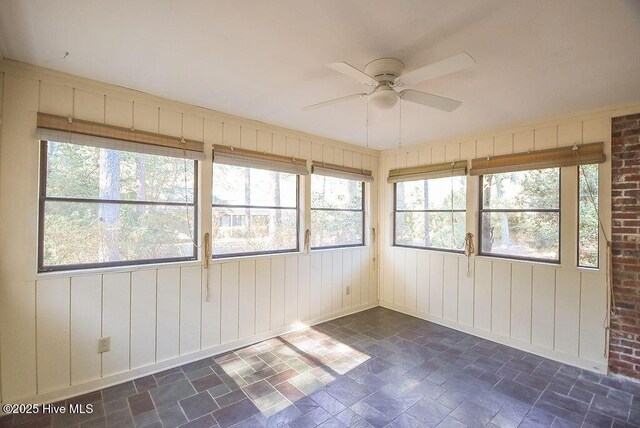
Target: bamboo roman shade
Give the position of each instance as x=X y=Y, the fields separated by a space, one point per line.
x=551 y=158
x=252 y=159
x=427 y=172
x=75 y=131
x=338 y=171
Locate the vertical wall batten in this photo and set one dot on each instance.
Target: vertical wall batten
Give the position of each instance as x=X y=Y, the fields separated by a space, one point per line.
x=116 y=321
x=86 y=325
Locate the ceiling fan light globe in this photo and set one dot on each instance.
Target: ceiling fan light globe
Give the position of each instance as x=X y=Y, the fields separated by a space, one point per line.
x=384 y=99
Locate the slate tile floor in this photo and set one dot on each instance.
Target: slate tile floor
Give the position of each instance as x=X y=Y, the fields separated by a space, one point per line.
x=376 y=368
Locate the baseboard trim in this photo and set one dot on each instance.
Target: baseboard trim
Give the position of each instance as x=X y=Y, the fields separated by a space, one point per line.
x=594 y=366
x=105 y=382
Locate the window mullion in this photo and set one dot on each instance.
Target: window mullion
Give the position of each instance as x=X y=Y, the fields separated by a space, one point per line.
x=568 y=216
x=206 y=199
x=305 y=203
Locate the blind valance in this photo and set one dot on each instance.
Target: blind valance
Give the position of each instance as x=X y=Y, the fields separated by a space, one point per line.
x=583 y=154
x=251 y=159
x=75 y=131
x=427 y=172
x=339 y=171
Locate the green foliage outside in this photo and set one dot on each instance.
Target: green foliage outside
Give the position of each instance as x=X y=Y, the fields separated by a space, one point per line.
x=90 y=232
x=331 y=227
x=442 y=227
x=522 y=233
x=588 y=216
x=259 y=226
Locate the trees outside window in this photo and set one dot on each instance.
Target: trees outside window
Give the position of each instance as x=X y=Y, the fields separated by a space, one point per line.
x=337 y=212
x=431 y=213
x=254 y=211
x=520 y=214
x=103 y=207
x=588 y=216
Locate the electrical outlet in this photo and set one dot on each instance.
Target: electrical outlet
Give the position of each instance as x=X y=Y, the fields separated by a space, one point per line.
x=104 y=344
x=348 y=290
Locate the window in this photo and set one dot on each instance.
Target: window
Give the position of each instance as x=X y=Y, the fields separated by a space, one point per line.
x=337 y=212
x=588 y=216
x=431 y=213
x=103 y=207
x=238 y=220
x=520 y=214
x=255 y=211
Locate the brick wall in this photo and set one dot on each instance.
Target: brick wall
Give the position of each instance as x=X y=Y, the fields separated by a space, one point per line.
x=624 y=356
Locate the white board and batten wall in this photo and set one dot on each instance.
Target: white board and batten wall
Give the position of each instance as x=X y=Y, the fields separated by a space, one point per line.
x=157 y=316
x=557 y=311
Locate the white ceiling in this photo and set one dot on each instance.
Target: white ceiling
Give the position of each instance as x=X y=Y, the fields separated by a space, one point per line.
x=265 y=59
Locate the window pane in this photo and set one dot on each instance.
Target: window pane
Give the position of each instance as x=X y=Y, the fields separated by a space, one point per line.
x=82 y=232
x=330 y=192
x=332 y=228
x=431 y=229
x=588 y=216
x=253 y=230
x=521 y=234
x=433 y=194
x=75 y=171
x=522 y=189
x=234 y=185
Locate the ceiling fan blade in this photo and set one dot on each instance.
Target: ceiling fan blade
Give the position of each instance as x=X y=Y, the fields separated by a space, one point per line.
x=354 y=73
x=430 y=100
x=333 y=101
x=437 y=69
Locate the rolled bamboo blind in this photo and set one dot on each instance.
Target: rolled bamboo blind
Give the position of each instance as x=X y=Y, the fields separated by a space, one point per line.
x=338 y=171
x=252 y=159
x=427 y=172
x=75 y=131
x=551 y=158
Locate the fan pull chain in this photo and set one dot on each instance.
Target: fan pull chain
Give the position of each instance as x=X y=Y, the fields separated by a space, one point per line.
x=400 y=124
x=366 y=123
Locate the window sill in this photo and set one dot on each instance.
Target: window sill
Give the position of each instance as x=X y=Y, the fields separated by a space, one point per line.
x=240 y=257
x=115 y=269
x=337 y=247
x=589 y=269
x=433 y=250
x=557 y=265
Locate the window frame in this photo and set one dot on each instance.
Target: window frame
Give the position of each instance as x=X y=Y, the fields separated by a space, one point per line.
x=597 y=266
x=268 y=252
x=396 y=210
x=364 y=220
x=43 y=198
x=481 y=210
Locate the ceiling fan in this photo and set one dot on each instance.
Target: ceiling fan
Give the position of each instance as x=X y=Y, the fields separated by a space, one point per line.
x=385 y=76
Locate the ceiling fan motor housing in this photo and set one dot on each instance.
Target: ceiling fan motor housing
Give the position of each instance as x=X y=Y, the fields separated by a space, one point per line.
x=384 y=69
